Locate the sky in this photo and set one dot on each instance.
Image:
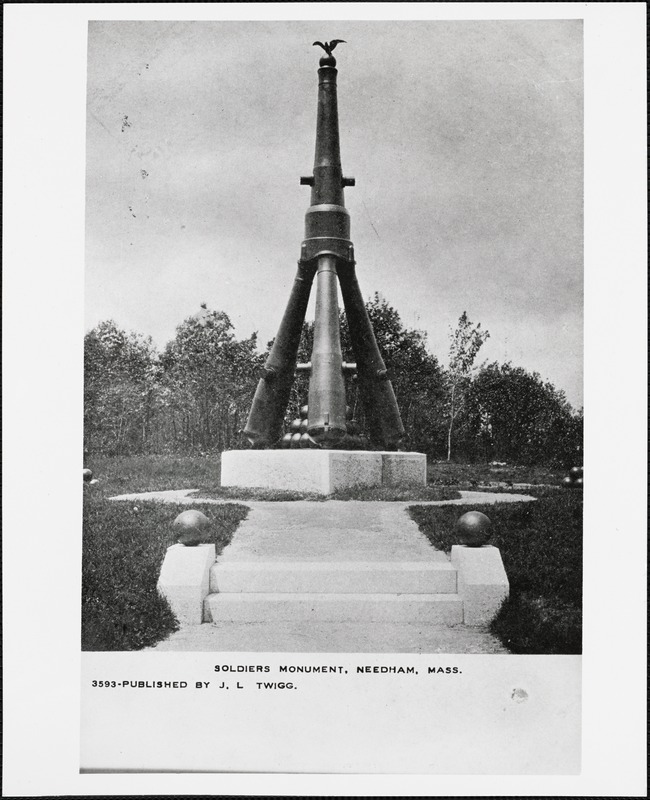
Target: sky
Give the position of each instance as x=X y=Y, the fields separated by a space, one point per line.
x=465 y=139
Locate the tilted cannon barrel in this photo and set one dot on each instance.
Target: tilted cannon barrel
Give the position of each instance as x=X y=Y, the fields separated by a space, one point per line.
x=264 y=425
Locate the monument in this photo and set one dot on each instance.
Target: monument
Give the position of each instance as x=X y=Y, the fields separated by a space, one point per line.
x=324 y=452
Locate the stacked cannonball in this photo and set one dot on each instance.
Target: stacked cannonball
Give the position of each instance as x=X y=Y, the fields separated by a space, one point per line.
x=89 y=480
x=297 y=437
x=574 y=479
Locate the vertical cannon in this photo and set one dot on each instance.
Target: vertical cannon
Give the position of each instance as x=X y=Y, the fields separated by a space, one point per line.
x=326 y=244
x=326 y=404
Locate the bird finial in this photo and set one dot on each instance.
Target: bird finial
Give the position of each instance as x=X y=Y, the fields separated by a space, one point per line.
x=329 y=46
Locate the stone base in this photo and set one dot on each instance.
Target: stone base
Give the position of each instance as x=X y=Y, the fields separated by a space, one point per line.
x=185 y=580
x=482 y=582
x=321 y=471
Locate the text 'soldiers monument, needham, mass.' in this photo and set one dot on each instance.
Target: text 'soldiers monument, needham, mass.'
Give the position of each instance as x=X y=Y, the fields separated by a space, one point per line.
x=327 y=254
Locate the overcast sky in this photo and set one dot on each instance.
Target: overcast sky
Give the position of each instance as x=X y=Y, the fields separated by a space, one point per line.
x=465 y=139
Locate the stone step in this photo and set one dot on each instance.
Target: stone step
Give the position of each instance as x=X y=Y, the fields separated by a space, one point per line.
x=262 y=607
x=257 y=543
x=333 y=577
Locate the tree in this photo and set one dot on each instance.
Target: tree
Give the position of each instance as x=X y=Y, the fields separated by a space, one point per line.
x=529 y=421
x=209 y=381
x=414 y=372
x=466 y=341
x=121 y=374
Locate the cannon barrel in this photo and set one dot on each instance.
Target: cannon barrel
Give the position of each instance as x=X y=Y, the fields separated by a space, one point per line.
x=264 y=425
x=326 y=406
x=376 y=390
x=327 y=221
x=328 y=175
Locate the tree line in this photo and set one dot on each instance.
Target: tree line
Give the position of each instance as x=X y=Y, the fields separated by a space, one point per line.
x=194 y=395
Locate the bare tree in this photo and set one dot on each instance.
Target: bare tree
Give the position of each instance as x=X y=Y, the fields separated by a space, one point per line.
x=466 y=340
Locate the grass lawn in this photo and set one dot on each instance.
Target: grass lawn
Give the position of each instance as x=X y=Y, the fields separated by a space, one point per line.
x=541 y=547
x=470 y=476
x=130 y=474
x=368 y=493
x=123 y=549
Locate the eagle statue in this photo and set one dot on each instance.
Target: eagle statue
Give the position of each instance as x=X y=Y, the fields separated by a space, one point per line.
x=329 y=46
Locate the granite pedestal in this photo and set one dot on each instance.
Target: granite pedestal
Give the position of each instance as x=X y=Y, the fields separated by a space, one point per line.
x=185 y=580
x=482 y=582
x=321 y=471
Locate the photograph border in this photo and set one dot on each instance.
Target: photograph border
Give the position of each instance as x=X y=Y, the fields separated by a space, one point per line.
x=44 y=260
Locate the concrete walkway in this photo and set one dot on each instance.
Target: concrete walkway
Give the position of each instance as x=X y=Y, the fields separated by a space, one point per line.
x=310 y=533
x=185 y=497
x=337 y=530
x=330 y=637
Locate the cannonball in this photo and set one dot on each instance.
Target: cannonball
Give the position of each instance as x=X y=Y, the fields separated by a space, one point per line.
x=567 y=482
x=295 y=425
x=578 y=483
x=575 y=472
x=304 y=424
x=473 y=529
x=295 y=440
x=286 y=440
x=304 y=412
x=88 y=475
x=191 y=527
x=305 y=440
